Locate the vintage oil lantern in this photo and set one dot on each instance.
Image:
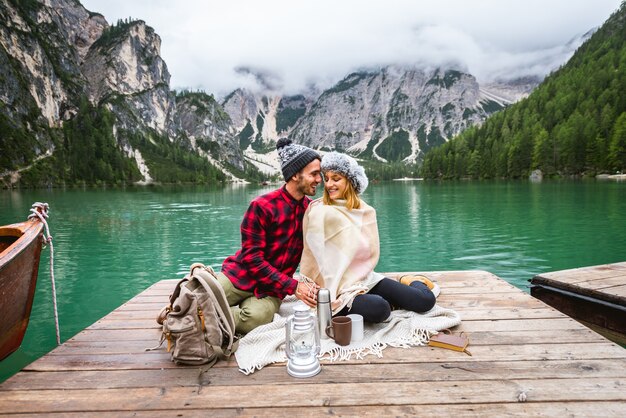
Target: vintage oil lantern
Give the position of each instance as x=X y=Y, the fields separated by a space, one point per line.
x=302 y=343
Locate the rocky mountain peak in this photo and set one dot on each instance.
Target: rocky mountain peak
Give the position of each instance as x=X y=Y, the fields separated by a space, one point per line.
x=395 y=113
x=126 y=60
x=80 y=27
x=261 y=118
x=208 y=127
x=242 y=106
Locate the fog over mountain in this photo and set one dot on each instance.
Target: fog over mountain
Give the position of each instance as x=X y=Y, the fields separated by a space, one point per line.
x=220 y=46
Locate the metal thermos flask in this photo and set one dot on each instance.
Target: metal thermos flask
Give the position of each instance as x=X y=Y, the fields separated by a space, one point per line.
x=324 y=313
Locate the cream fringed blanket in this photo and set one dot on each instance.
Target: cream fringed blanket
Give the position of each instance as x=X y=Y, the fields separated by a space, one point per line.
x=341 y=250
x=266 y=344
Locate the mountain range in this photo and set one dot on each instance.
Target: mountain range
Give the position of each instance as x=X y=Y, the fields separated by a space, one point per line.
x=391 y=114
x=83 y=101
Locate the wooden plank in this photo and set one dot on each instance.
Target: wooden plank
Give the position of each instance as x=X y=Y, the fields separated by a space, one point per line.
x=153 y=307
x=605 y=270
x=617 y=291
x=124 y=324
x=104 y=345
x=519 y=325
x=491 y=300
x=477 y=290
x=342 y=394
x=493 y=324
x=118 y=335
x=577 y=277
x=522 y=409
x=331 y=373
x=125 y=341
x=599 y=284
x=505 y=352
x=472 y=314
x=471 y=284
x=467 y=314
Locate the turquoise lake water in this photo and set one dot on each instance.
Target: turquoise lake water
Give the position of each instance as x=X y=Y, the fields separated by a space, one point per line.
x=112 y=244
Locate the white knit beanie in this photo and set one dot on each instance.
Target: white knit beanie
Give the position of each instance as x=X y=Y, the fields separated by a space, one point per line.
x=346 y=165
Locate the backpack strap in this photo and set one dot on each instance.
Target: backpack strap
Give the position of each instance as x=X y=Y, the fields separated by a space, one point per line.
x=167 y=309
x=207 y=278
x=176 y=292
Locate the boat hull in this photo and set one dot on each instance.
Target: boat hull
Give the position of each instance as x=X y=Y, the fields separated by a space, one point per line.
x=20 y=246
x=606 y=318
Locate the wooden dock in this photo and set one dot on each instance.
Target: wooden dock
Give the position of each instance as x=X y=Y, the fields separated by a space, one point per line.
x=595 y=296
x=528 y=359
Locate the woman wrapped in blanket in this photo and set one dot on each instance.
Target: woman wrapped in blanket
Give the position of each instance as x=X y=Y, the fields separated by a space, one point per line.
x=341 y=249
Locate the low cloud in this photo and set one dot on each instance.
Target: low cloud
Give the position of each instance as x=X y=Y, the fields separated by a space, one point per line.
x=288 y=46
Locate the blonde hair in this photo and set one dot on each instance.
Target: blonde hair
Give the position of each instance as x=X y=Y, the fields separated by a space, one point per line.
x=352 y=198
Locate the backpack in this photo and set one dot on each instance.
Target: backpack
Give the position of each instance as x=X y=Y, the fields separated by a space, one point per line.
x=198 y=324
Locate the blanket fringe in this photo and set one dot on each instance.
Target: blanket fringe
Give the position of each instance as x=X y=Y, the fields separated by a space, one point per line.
x=419 y=337
x=265 y=344
x=249 y=370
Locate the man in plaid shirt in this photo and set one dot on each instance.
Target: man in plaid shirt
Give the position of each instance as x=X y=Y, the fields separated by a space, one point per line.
x=261 y=273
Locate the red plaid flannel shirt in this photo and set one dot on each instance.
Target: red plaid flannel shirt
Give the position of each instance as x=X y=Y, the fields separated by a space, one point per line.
x=271 y=246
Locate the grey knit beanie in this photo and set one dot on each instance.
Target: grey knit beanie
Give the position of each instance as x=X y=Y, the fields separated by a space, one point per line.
x=293 y=157
x=346 y=165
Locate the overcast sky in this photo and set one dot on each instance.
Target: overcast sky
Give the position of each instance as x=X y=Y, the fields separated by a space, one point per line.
x=211 y=45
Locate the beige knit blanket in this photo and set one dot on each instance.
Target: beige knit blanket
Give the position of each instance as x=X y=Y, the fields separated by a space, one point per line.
x=266 y=344
x=341 y=250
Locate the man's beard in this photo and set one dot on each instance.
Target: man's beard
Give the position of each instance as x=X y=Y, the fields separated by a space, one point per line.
x=304 y=187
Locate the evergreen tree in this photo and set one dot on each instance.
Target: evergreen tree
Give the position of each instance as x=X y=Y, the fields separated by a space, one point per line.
x=543 y=155
x=571 y=124
x=617 y=149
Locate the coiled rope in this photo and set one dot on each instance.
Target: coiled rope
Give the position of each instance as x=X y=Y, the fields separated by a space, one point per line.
x=40 y=210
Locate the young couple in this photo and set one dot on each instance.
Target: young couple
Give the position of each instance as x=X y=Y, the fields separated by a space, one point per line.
x=335 y=240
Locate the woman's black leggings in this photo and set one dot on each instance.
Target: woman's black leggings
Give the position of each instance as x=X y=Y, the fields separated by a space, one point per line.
x=375 y=306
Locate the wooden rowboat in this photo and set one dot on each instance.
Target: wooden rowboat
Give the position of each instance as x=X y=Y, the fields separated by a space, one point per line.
x=20 y=248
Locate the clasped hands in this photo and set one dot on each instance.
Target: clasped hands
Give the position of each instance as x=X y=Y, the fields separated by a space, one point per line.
x=307 y=291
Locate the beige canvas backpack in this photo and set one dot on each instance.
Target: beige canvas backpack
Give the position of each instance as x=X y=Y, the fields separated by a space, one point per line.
x=197 y=324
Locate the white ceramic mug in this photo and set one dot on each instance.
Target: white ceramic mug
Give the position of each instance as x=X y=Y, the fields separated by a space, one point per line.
x=357 y=327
